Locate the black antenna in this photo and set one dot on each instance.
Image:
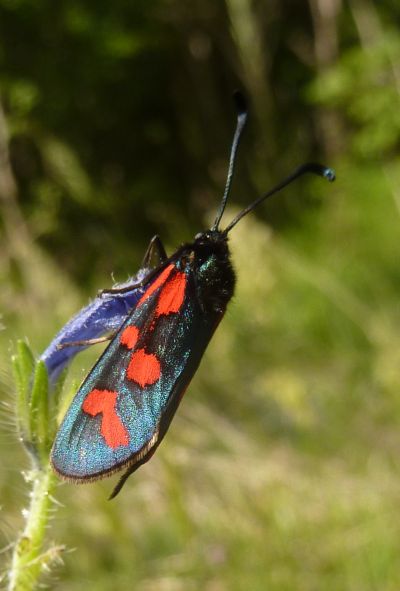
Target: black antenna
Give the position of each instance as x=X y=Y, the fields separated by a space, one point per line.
x=312 y=167
x=241 y=108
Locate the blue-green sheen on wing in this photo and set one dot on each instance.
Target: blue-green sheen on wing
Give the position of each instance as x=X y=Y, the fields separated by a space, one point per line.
x=178 y=341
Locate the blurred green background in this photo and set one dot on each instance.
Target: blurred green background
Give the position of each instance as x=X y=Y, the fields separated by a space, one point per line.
x=281 y=469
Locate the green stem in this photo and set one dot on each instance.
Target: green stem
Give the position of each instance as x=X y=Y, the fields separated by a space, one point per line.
x=28 y=559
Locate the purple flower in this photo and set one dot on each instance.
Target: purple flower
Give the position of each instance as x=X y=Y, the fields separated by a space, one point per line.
x=103 y=315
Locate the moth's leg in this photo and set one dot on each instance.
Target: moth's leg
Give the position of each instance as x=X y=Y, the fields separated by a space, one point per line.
x=155 y=248
x=121 y=483
x=88 y=342
x=117 y=290
x=130 y=471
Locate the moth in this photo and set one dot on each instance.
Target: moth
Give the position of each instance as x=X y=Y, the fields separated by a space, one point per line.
x=124 y=407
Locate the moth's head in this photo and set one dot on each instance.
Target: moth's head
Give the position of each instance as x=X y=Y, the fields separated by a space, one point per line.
x=210 y=237
x=210 y=243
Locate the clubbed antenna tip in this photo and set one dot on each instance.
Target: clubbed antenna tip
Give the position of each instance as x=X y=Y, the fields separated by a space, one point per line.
x=240 y=103
x=309 y=167
x=329 y=174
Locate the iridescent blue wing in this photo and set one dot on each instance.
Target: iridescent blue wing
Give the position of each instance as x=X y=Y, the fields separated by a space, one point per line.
x=125 y=405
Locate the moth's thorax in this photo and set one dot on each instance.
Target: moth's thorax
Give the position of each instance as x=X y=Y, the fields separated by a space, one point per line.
x=209 y=260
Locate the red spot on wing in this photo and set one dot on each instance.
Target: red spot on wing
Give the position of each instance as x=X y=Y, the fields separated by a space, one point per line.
x=156 y=284
x=172 y=295
x=144 y=368
x=129 y=337
x=103 y=402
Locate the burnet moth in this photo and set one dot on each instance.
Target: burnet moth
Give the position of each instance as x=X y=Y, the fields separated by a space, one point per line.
x=124 y=407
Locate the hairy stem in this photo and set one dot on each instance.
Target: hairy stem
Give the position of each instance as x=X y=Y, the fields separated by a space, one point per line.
x=29 y=559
